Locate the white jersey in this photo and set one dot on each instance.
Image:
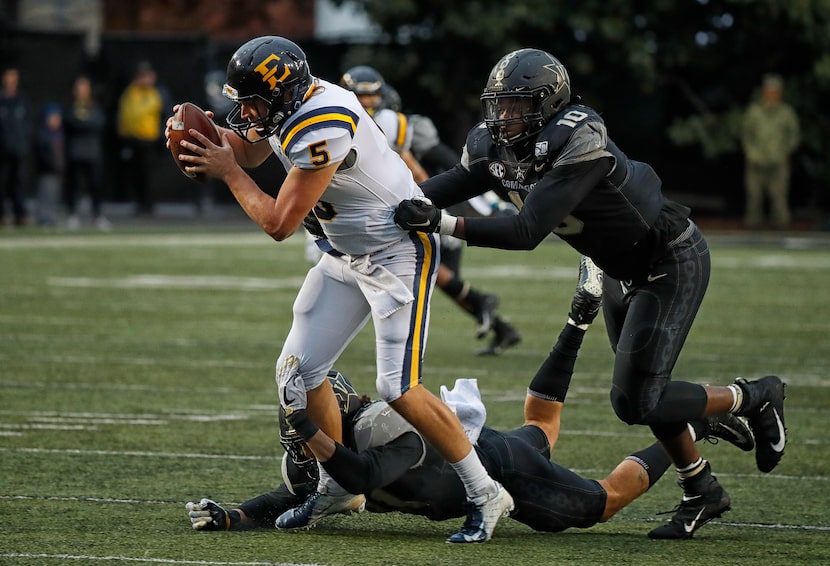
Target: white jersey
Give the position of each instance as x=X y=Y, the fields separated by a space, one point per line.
x=356 y=211
x=395 y=127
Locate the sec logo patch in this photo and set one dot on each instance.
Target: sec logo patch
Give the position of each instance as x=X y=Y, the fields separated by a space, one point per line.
x=497 y=169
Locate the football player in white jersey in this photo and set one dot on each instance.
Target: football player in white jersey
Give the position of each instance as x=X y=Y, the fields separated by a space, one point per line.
x=339 y=164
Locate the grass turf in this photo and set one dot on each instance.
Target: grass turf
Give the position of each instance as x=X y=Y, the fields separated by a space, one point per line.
x=137 y=374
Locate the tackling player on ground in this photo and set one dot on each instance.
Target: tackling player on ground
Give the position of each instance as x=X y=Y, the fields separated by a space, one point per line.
x=390 y=462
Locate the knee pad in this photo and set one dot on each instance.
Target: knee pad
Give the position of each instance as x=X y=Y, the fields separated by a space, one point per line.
x=667 y=431
x=388 y=390
x=639 y=406
x=622 y=406
x=312 y=377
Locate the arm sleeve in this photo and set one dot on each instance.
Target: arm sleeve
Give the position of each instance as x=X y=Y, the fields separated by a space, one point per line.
x=552 y=199
x=453 y=186
x=264 y=509
x=374 y=467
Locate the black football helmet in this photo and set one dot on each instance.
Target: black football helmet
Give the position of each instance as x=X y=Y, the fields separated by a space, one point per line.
x=362 y=80
x=272 y=69
x=349 y=402
x=526 y=87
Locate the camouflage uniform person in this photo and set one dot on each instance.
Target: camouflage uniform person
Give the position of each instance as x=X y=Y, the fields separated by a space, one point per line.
x=769 y=135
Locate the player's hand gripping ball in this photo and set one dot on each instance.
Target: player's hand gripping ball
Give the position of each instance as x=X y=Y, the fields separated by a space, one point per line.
x=187 y=117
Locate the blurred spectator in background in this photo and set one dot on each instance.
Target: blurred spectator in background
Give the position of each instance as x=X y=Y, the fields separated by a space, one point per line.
x=769 y=135
x=84 y=123
x=50 y=164
x=14 y=145
x=140 y=127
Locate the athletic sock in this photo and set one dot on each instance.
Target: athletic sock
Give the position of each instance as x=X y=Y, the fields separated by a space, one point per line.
x=737 y=398
x=692 y=469
x=326 y=483
x=477 y=482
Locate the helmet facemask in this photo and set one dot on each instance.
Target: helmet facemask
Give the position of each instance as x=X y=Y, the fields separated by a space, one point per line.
x=292 y=443
x=511 y=116
x=242 y=125
x=270 y=121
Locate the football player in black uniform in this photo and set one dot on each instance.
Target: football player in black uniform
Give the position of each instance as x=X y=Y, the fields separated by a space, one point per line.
x=551 y=156
x=389 y=461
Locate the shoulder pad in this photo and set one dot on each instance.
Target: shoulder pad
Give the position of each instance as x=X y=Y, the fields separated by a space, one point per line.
x=424 y=133
x=478 y=145
x=479 y=140
x=377 y=424
x=560 y=129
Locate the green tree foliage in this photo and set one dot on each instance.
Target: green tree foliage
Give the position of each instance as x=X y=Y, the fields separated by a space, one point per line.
x=664 y=72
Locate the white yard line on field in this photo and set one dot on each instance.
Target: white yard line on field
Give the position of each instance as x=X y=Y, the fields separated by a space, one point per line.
x=87 y=557
x=144 y=241
x=156 y=281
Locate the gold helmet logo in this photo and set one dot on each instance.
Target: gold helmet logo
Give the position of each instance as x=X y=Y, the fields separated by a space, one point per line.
x=268 y=72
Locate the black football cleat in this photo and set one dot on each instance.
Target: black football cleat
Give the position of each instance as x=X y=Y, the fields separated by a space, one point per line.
x=703 y=500
x=763 y=407
x=730 y=428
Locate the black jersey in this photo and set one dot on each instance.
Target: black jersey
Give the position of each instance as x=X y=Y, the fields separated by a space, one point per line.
x=572 y=180
x=400 y=472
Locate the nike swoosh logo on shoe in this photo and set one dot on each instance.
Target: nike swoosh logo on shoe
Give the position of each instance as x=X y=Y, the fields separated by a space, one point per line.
x=690 y=498
x=739 y=435
x=690 y=526
x=779 y=446
x=652 y=278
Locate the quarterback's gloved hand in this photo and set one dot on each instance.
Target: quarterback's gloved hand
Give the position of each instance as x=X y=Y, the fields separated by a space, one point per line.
x=420 y=215
x=207 y=515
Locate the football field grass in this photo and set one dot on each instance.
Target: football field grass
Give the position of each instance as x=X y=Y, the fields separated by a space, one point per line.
x=136 y=374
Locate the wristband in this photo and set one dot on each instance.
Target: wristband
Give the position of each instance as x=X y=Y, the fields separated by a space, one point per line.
x=447 y=224
x=303 y=425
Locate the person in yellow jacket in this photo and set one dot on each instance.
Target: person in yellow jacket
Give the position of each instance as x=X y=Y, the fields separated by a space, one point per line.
x=770 y=134
x=140 y=129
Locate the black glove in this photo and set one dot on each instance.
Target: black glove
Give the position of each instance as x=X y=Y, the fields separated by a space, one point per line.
x=207 y=515
x=418 y=215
